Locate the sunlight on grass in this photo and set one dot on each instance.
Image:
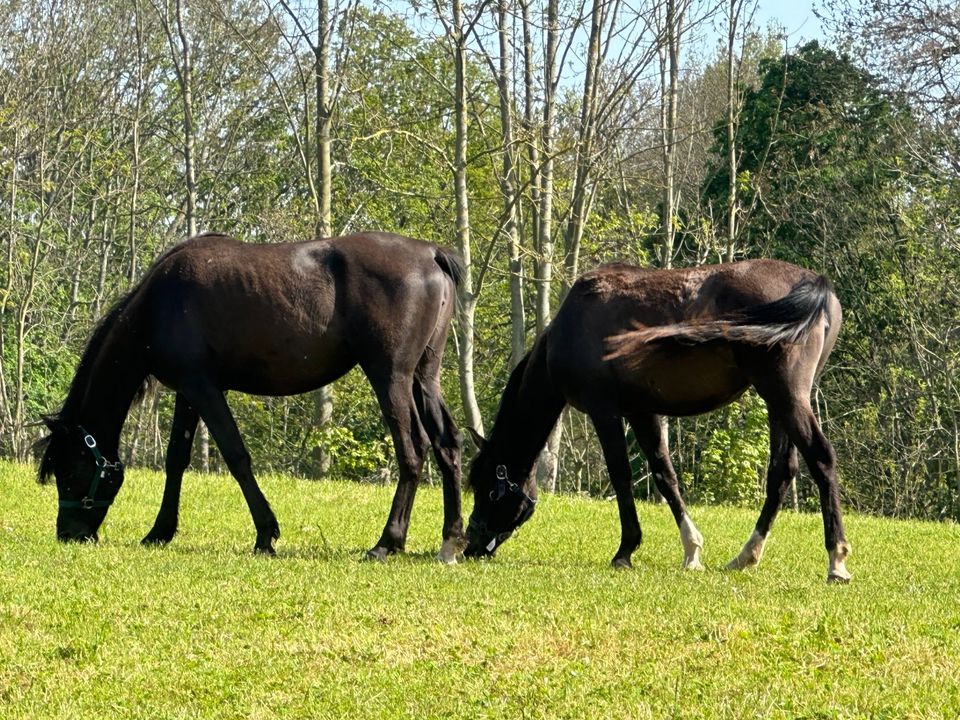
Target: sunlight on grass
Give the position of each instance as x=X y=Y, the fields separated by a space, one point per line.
x=203 y=629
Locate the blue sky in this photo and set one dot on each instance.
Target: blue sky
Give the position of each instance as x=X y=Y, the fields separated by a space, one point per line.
x=796 y=17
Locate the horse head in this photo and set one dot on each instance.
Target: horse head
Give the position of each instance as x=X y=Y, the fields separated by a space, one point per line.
x=87 y=482
x=502 y=501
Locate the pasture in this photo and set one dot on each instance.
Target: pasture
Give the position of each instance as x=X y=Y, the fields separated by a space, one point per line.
x=204 y=629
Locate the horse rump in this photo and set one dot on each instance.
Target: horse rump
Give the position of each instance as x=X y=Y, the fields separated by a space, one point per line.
x=784 y=321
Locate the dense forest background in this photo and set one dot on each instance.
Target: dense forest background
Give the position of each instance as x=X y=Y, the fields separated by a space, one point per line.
x=538 y=137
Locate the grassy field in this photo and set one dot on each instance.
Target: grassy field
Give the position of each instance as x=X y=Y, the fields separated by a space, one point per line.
x=203 y=629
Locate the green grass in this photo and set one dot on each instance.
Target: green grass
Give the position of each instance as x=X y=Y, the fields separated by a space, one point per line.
x=203 y=629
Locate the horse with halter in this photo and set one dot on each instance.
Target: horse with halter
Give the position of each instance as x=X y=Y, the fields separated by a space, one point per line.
x=212 y=315
x=635 y=344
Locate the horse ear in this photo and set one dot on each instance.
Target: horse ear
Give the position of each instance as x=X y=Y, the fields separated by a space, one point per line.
x=53 y=423
x=479 y=440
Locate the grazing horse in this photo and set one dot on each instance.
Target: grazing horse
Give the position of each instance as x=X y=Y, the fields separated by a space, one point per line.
x=633 y=343
x=214 y=314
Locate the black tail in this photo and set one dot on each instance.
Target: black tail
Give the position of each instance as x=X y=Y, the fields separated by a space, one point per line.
x=451 y=263
x=787 y=320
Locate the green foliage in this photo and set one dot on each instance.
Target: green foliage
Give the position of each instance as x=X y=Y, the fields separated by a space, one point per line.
x=827 y=181
x=734 y=456
x=351 y=458
x=814 y=141
x=835 y=173
x=546 y=630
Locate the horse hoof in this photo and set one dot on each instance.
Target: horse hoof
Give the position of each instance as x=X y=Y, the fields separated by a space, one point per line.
x=694 y=565
x=266 y=550
x=622 y=564
x=377 y=554
x=451 y=548
x=738 y=563
x=839 y=578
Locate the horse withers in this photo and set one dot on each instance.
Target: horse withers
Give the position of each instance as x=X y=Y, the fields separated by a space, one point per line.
x=214 y=314
x=636 y=344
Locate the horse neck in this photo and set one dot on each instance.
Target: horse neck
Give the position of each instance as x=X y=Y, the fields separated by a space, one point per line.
x=111 y=372
x=528 y=411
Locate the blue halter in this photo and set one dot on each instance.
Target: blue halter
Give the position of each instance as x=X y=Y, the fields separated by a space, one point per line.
x=104 y=466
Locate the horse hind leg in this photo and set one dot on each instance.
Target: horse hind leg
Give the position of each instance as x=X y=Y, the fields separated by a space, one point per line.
x=445 y=440
x=787 y=394
x=821 y=460
x=794 y=413
x=781 y=471
x=410 y=443
x=649 y=432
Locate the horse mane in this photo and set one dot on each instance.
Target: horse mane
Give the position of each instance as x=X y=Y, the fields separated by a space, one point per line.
x=46 y=448
x=507 y=403
x=783 y=321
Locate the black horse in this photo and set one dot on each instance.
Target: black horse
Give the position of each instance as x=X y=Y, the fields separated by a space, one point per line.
x=637 y=344
x=214 y=314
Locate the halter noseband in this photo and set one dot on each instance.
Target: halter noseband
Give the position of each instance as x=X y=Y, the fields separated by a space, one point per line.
x=90 y=501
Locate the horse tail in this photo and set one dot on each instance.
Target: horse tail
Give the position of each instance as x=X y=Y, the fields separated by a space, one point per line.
x=787 y=320
x=451 y=263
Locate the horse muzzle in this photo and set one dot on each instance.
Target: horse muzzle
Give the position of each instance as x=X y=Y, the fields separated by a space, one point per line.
x=71 y=530
x=482 y=543
x=65 y=537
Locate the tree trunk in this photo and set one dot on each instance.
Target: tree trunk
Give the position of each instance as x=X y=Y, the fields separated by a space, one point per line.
x=530 y=126
x=508 y=184
x=323 y=398
x=5 y=401
x=549 y=464
x=190 y=173
x=731 y=131
x=669 y=76
x=669 y=79
x=545 y=238
x=467 y=299
x=581 y=199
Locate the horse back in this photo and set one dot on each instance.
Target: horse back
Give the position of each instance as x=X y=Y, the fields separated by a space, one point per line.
x=674 y=375
x=287 y=317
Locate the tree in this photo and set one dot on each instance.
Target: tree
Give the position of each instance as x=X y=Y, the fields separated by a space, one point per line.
x=831 y=189
x=317 y=161
x=737 y=25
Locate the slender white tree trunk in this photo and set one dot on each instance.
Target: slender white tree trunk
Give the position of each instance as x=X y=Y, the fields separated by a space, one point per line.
x=508 y=182
x=323 y=398
x=549 y=464
x=466 y=297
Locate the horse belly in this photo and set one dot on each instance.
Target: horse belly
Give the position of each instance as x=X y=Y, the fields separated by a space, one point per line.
x=286 y=368
x=686 y=381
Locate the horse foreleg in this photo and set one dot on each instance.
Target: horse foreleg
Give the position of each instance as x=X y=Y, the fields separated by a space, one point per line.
x=212 y=406
x=410 y=443
x=610 y=433
x=781 y=471
x=182 y=430
x=445 y=439
x=649 y=434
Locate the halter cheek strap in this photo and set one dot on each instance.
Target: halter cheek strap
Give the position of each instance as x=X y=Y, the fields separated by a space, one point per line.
x=90 y=501
x=505 y=485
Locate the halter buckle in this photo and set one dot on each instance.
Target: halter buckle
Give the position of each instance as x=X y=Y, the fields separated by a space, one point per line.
x=89 y=441
x=86 y=503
